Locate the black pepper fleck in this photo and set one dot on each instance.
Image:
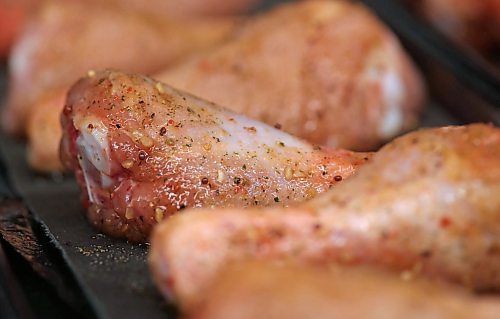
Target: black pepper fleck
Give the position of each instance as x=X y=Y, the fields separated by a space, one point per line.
x=142 y=155
x=163 y=131
x=426 y=254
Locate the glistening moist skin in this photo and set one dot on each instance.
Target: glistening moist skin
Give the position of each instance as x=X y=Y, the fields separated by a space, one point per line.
x=142 y=151
x=384 y=68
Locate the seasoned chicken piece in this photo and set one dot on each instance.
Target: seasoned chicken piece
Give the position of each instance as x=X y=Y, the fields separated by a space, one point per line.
x=252 y=290
x=142 y=151
x=471 y=22
x=65 y=39
x=428 y=203
x=326 y=71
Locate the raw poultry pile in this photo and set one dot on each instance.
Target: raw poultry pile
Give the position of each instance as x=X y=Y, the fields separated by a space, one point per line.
x=293 y=57
x=259 y=130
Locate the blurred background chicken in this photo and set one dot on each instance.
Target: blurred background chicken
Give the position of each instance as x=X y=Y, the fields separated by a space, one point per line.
x=292 y=291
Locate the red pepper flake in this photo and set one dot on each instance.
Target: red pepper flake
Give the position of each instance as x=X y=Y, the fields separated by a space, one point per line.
x=163 y=131
x=239 y=190
x=316 y=227
x=277 y=126
x=170 y=282
x=170 y=122
x=204 y=65
x=444 y=222
x=129 y=89
x=337 y=178
x=251 y=129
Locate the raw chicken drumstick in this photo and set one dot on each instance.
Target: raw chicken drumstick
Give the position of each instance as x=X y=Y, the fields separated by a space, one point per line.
x=250 y=290
x=144 y=151
x=65 y=39
x=428 y=202
x=327 y=71
x=298 y=67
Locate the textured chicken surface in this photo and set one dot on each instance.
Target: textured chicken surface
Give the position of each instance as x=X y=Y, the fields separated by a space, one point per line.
x=252 y=290
x=473 y=22
x=326 y=71
x=428 y=203
x=65 y=39
x=144 y=151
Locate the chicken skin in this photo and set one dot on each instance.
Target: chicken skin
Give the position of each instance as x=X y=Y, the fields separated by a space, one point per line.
x=294 y=291
x=142 y=151
x=264 y=68
x=94 y=36
x=298 y=66
x=427 y=203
